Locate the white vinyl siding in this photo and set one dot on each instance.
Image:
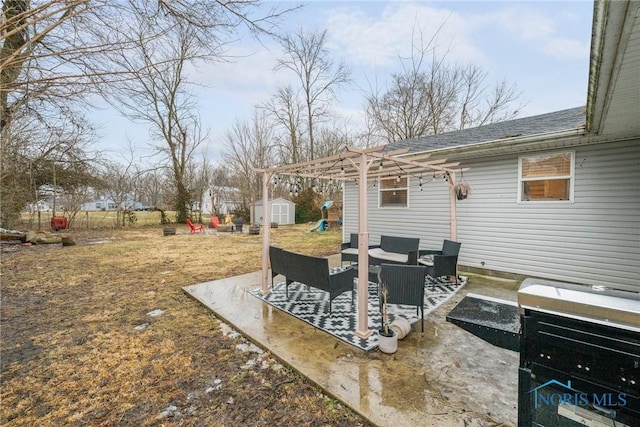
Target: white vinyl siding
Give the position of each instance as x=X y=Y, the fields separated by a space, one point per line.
x=593 y=241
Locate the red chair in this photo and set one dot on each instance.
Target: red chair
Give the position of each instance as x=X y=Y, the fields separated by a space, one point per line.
x=195 y=227
x=215 y=221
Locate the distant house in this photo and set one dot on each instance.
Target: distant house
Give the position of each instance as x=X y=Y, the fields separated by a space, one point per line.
x=100 y=205
x=40 y=205
x=283 y=211
x=108 y=204
x=220 y=200
x=554 y=196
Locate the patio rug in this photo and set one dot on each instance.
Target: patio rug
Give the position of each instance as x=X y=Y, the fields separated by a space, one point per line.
x=311 y=305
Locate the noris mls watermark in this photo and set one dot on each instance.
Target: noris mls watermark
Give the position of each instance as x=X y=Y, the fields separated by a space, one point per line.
x=563 y=394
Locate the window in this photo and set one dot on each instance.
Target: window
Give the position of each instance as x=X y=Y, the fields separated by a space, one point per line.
x=546 y=177
x=394 y=192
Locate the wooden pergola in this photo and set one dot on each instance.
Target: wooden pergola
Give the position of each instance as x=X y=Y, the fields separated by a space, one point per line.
x=359 y=165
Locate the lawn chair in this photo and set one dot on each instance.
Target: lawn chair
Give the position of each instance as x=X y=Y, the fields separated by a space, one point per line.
x=214 y=221
x=349 y=250
x=195 y=227
x=443 y=262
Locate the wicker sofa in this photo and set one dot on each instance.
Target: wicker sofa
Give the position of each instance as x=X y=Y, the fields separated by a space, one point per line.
x=311 y=271
x=394 y=250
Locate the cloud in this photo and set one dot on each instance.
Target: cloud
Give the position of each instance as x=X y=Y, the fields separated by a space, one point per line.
x=377 y=37
x=249 y=68
x=539 y=29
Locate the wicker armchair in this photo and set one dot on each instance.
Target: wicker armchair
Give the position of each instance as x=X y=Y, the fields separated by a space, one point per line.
x=349 y=250
x=405 y=285
x=441 y=262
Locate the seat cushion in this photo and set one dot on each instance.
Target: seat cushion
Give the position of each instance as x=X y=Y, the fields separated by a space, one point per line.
x=389 y=256
x=350 y=251
x=426 y=260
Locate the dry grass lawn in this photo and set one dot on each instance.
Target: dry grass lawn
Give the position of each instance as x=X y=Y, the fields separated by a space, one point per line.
x=80 y=348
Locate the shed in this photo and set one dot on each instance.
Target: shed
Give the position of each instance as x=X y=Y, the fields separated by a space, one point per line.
x=283 y=211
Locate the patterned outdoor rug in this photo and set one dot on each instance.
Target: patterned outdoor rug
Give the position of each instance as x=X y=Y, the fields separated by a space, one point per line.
x=312 y=306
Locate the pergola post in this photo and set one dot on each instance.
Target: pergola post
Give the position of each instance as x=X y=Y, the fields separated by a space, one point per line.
x=362 y=326
x=453 y=223
x=266 y=230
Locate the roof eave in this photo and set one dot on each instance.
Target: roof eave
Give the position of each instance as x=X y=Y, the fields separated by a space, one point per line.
x=569 y=137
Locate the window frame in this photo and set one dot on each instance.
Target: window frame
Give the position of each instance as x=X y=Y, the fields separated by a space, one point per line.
x=570 y=177
x=381 y=190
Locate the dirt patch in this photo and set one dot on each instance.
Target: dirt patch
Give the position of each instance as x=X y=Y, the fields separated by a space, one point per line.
x=100 y=333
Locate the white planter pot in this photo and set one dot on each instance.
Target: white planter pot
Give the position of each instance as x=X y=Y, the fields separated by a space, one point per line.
x=401 y=326
x=388 y=344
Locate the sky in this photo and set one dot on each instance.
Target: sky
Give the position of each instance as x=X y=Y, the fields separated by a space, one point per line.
x=541 y=46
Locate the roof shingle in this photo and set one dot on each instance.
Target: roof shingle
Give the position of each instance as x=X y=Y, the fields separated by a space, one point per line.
x=563 y=120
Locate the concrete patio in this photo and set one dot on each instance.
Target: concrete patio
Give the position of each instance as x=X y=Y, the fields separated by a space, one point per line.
x=448 y=377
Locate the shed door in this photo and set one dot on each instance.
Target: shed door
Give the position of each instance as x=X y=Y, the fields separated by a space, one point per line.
x=280 y=214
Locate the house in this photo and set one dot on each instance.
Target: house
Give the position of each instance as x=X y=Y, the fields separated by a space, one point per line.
x=104 y=204
x=108 y=204
x=219 y=200
x=283 y=211
x=553 y=196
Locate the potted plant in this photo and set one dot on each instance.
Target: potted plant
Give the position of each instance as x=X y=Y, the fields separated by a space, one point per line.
x=387 y=337
x=462 y=190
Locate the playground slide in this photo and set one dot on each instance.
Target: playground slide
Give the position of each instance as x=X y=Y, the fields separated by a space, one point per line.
x=320 y=226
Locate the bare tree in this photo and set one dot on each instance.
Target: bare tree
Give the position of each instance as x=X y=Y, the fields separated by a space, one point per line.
x=307 y=56
x=426 y=99
x=158 y=95
x=285 y=110
x=29 y=154
x=220 y=186
x=39 y=126
x=151 y=187
x=119 y=176
x=53 y=53
x=250 y=145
